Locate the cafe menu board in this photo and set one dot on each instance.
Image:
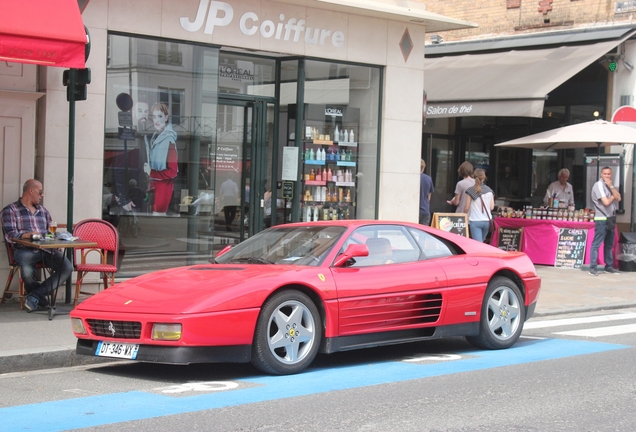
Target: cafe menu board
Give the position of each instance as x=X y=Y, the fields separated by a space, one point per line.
x=451 y=222
x=570 y=248
x=509 y=239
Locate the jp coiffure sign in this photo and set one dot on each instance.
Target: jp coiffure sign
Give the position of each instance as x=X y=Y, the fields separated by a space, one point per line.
x=211 y=15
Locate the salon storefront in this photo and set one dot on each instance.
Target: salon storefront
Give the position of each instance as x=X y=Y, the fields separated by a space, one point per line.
x=208 y=121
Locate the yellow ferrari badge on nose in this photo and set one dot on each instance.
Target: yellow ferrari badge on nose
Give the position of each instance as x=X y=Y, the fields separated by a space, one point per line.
x=321 y=277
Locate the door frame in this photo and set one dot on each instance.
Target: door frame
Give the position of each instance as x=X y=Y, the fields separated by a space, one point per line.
x=255 y=115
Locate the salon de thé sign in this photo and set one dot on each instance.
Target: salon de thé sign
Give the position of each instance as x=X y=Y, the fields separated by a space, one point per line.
x=212 y=14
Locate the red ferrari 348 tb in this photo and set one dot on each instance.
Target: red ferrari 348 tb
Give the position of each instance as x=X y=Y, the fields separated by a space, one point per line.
x=292 y=291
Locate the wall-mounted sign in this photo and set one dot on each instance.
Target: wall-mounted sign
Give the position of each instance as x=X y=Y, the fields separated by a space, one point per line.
x=227 y=157
x=288 y=190
x=333 y=112
x=220 y=14
x=290 y=163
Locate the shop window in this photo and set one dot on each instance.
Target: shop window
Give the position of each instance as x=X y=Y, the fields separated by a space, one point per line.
x=339 y=142
x=156 y=161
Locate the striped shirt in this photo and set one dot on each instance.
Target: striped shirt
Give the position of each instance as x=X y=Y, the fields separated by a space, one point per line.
x=17 y=220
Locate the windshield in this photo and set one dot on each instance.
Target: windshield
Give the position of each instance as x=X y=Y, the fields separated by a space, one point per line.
x=307 y=245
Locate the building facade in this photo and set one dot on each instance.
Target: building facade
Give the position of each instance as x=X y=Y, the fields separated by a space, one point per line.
x=527 y=68
x=207 y=121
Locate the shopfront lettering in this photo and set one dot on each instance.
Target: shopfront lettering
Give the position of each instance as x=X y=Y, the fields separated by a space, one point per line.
x=221 y=14
x=334 y=112
x=438 y=110
x=236 y=74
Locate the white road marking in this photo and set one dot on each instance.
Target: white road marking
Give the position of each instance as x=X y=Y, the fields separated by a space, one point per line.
x=601 y=331
x=573 y=321
x=200 y=386
x=434 y=357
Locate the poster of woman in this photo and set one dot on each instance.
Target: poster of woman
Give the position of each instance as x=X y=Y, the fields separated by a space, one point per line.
x=161 y=166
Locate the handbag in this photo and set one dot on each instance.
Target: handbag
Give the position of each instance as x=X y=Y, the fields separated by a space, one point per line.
x=491 y=228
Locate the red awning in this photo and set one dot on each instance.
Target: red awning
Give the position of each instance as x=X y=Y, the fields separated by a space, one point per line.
x=44 y=32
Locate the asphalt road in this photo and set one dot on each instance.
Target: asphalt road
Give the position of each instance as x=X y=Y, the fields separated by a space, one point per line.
x=571 y=372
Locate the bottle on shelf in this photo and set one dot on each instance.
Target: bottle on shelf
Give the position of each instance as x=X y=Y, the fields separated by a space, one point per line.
x=345 y=138
x=336 y=134
x=348 y=199
x=312 y=155
x=315 y=213
x=351 y=136
x=349 y=152
x=312 y=175
x=329 y=175
x=324 y=174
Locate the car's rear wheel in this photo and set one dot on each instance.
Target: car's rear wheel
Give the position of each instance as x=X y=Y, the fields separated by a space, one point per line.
x=502 y=315
x=288 y=334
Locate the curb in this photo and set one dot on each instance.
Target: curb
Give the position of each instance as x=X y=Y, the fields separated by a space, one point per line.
x=45 y=360
x=584 y=309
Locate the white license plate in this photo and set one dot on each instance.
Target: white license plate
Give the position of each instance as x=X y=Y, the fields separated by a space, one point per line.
x=119 y=350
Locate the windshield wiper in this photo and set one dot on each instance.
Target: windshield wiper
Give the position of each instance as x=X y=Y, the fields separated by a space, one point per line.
x=251 y=260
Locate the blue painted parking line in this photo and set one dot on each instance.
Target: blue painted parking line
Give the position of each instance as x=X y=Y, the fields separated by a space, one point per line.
x=137 y=405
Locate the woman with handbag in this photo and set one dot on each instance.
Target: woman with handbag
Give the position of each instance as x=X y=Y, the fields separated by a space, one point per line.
x=480 y=201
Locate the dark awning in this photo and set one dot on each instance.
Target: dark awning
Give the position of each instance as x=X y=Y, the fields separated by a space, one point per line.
x=508 y=83
x=41 y=32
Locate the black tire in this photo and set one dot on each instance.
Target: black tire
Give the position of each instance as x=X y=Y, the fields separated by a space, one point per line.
x=288 y=334
x=502 y=316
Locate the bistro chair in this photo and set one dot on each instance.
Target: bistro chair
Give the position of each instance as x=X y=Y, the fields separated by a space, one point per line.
x=107 y=250
x=14 y=268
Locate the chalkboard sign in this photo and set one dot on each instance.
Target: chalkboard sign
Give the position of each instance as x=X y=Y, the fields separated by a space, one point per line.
x=451 y=222
x=288 y=190
x=509 y=239
x=570 y=248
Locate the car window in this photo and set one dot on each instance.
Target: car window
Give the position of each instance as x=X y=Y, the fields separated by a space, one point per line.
x=430 y=245
x=387 y=245
x=306 y=245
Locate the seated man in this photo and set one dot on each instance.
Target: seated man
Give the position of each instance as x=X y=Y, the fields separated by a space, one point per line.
x=22 y=219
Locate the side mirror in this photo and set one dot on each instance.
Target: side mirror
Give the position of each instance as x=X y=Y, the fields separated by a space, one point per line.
x=352 y=251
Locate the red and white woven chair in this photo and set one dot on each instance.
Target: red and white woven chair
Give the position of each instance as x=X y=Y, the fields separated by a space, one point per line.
x=107 y=249
x=14 y=268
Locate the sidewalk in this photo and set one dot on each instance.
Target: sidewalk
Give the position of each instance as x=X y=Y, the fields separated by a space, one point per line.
x=31 y=341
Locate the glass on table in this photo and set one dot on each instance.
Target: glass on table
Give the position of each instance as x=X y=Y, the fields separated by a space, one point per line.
x=53 y=227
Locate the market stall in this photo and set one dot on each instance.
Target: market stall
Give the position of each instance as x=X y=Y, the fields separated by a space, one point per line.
x=550 y=242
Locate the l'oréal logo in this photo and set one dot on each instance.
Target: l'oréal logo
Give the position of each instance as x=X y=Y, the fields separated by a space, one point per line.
x=220 y=14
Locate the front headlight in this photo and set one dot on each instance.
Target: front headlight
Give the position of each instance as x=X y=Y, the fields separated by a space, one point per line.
x=78 y=326
x=170 y=332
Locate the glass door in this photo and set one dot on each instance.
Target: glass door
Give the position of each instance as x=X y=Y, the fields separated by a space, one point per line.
x=243 y=164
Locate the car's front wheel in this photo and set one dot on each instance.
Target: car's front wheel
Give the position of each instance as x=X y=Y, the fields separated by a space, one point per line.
x=502 y=316
x=288 y=334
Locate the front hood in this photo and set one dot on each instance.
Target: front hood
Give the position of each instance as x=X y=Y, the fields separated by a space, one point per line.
x=194 y=289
